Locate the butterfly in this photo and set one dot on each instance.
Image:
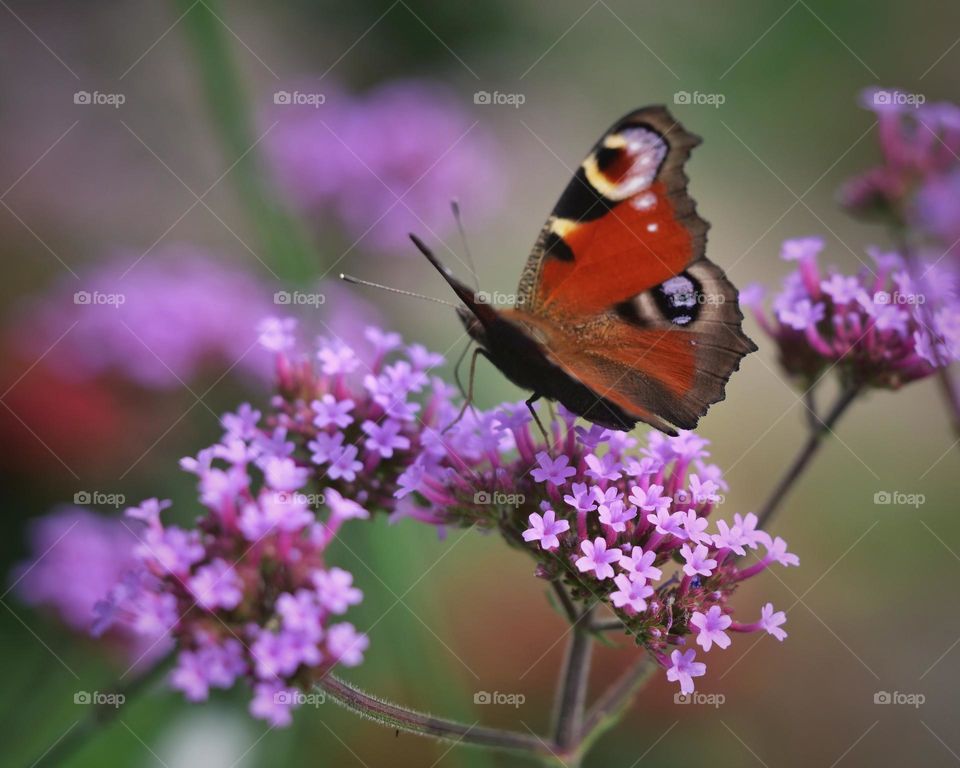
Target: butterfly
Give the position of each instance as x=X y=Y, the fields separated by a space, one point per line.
x=619 y=315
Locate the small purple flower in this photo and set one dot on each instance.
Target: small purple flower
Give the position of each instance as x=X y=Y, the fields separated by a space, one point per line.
x=545 y=529
x=335 y=590
x=695 y=527
x=631 y=593
x=711 y=626
x=284 y=474
x=639 y=565
x=582 y=499
x=603 y=468
x=616 y=516
x=385 y=437
x=668 y=524
x=597 y=558
x=554 y=471
x=650 y=500
x=344 y=464
x=330 y=411
x=696 y=561
x=683 y=669
x=346 y=645
x=276 y=334
x=217 y=586
x=771 y=621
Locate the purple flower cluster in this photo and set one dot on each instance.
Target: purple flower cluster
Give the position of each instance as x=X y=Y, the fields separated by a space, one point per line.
x=385 y=163
x=247 y=593
x=360 y=416
x=879 y=328
x=158 y=324
x=918 y=181
x=627 y=529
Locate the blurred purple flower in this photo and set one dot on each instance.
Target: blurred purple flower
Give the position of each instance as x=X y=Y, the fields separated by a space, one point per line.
x=173 y=314
x=387 y=162
x=177 y=313
x=76 y=557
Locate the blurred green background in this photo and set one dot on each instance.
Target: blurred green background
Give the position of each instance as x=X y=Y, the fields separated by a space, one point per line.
x=873 y=606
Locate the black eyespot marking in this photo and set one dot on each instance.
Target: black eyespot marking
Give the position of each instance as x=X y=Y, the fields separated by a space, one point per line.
x=679 y=298
x=557 y=247
x=581 y=201
x=607 y=156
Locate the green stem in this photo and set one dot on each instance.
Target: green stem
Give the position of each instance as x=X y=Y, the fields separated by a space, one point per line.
x=99 y=715
x=286 y=247
x=400 y=718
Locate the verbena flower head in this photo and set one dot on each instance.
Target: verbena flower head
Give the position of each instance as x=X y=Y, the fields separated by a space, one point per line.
x=633 y=529
x=878 y=329
x=247 y=594
x=387 y=162
x=917 y=181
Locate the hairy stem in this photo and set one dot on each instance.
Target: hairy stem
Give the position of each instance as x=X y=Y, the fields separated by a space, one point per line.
x=394 y=716
x=574 y=678
x=807 y=452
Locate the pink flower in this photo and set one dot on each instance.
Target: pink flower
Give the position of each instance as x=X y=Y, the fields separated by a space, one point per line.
x=597 y=558
x=683 y=669
x=545 y=529
x=697 y=561
x=639 y=565
x=771 y=621
x=551 y=470
x=616 y=515
x=631 y=593
x=711 y=625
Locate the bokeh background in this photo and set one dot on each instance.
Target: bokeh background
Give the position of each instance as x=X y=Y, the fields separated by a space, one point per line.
x=199 y=169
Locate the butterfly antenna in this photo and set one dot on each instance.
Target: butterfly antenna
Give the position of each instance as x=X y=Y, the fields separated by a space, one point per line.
x=358 y=281
x=455 y=207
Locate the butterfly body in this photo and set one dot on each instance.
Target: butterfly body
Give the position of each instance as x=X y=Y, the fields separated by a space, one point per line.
x=619 y=314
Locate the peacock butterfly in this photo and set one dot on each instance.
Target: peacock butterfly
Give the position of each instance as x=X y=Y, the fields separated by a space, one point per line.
x=619 y=314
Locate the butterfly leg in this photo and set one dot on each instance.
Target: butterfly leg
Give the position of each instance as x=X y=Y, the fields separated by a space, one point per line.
x=533 y=412
x=456 y=369
x=468 y=401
